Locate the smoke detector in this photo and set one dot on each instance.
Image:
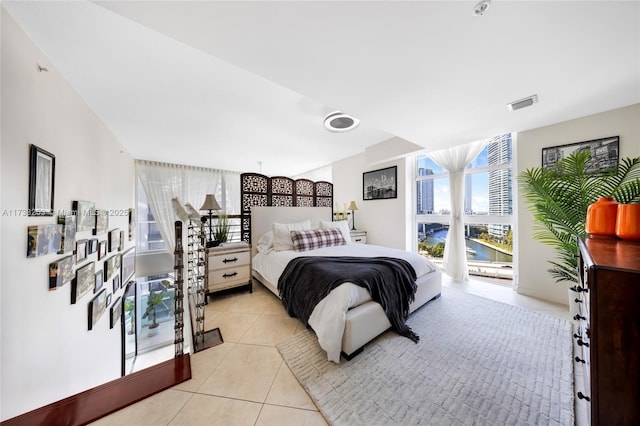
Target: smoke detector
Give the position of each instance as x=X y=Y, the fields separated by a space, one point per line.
x=480 y=8
x=339 y=122
x=523 y=103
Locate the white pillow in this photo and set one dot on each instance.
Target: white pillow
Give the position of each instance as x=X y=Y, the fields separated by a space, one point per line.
x=282 y=234
x=265 y=243
x=342 y=225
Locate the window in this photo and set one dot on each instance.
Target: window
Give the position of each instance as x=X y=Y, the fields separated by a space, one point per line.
x=148 y=237
x=488 y=209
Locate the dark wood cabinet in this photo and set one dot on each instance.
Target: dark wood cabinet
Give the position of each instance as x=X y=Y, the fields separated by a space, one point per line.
x=608 y=332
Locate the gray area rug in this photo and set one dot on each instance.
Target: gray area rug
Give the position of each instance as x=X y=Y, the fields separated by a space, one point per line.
x=478 y=362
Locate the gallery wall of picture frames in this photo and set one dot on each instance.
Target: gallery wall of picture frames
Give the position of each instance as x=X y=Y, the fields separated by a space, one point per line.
x=93 y=257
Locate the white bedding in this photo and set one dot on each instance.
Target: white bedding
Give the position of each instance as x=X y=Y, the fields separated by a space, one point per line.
x=328 y=317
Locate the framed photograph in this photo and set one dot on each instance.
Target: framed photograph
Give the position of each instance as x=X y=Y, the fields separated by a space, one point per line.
x=102 y=249
x=84 y=282
x=111 y=267
x=605 y=154
x=60 y=272
x=99 y=282
x=115 y=312
x=81 y=250
x=102 y=222
x=85 y=212
x=116 y=282
x=97 y=306
x=114 y=240
x=132 y=223
x=92 y=246
x=42 y=168
x=380 y=184
x=121 y=246
x=108 y=302
x=128 y=264
x=43 y=240
x=68 y=224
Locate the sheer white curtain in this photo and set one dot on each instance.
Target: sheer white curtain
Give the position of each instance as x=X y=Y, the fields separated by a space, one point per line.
x=162 y=182
x=455 y=160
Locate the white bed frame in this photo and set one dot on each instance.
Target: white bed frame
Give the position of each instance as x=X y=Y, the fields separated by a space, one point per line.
x=364 y=322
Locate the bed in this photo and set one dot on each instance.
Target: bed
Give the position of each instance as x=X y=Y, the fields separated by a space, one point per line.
x=347 y=318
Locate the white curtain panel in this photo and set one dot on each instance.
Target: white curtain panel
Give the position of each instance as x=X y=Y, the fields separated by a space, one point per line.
x=162 y=182
x=455 y=160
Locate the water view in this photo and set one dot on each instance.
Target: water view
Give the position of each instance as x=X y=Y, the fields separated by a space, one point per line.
x=475 y=250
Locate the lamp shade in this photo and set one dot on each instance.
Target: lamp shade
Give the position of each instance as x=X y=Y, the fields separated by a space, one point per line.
x=353 y=206
x=210 y=203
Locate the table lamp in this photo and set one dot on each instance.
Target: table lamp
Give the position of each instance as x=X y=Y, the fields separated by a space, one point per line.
x=210 y=204
x=353 y=207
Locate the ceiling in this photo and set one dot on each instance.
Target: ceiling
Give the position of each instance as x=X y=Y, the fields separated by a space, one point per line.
x=233 y=85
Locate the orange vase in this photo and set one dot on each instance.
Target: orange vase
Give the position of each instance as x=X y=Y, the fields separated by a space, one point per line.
x=601 y=218
x=628 y=222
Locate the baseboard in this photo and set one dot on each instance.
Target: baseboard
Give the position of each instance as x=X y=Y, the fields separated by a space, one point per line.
x=92 y=404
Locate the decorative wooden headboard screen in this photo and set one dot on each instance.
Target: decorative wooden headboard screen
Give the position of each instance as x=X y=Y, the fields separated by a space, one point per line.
x=260 y=190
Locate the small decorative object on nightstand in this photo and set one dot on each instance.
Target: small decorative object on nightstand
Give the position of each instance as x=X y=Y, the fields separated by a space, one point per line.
x=228 y=266
x=359 y=237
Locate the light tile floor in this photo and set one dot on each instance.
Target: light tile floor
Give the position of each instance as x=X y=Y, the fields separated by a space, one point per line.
x=244 y=380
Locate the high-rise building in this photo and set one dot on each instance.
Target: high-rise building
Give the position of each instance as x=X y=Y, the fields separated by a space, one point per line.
x=499 y=151
x=425 y=192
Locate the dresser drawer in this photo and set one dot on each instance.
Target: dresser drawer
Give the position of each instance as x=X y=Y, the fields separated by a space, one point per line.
x=231 y=276
x=228 y=260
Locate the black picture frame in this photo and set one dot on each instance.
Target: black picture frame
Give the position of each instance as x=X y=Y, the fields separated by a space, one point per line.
x=68 y=224
x=115 y=312
x=42 y=174
x=380 y=184
x=605 y=154
x=85 y=211
x=81 y=250
x=102 y=222
x=97 y=306
x=102 y=249
x=84 y=282
x=61 y=272
x=112 y=266
x=99 y=282
x=114 y=240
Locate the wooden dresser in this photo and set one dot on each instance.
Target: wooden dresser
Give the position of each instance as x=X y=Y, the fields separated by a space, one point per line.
x=608 y=331
x=228 y=268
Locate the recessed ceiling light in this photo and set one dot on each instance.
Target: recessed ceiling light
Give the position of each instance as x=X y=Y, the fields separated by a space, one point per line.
x=523 y=103
x=339 y=122
x=480 y=8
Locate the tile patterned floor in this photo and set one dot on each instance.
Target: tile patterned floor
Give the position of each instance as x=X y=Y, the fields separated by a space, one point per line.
x=244 y=380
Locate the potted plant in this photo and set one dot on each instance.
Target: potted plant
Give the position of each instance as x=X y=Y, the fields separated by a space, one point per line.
x=129 y=307
x=221 y=228
x=558 y=198
x=153 y=300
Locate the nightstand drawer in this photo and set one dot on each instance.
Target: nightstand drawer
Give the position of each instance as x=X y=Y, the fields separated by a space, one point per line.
x=229 y=260
x=231 y=276
x=359 y=237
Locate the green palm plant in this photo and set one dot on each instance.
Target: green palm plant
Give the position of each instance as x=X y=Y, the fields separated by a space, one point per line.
x=153 y=300
x=221 y=228
x=558 y=198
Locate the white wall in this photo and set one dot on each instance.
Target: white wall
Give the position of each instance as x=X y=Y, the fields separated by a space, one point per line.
x=47 y=351
x=532 y=278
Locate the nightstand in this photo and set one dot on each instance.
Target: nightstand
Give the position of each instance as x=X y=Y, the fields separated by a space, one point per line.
x=228 y=268
x=358 y=236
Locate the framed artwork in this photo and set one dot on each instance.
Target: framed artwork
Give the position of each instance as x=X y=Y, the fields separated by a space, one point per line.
x=102 y=249
x=115 y=312
x=102 y=222
x=116 y=283
x=128 y=264
x=114 y=240
x=121 y=246
x=108 y=302
x=99 y=282
x=85 y=211
x=380 y=184
x=43 y=240
x=84 y=282
x=605 y=154
x=60 y=272
x=111 y=267
x=97 y=306
x=92 y=246
x=81 y=250
x=132 y=223
x=68 y=224
x=42 y=168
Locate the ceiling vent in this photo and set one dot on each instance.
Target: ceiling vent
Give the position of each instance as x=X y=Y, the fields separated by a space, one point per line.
x=523 y=103
x=339 y=122
x=480 y=8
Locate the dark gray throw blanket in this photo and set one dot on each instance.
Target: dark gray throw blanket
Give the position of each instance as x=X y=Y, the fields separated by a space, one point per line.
x=391 y=282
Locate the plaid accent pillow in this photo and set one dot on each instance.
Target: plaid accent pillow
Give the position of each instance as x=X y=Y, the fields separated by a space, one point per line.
x=316 y=238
